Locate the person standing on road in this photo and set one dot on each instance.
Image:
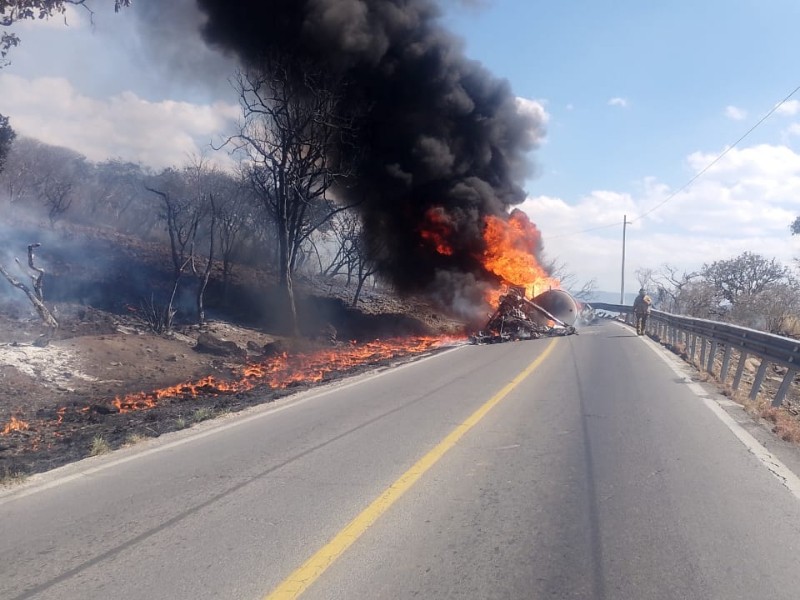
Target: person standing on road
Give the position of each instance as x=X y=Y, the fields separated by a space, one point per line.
x=641 y=310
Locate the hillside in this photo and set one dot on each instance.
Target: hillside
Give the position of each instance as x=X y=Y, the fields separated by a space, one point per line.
x=93 y=386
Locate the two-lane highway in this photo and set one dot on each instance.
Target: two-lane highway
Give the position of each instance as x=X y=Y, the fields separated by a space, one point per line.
x=578 y=467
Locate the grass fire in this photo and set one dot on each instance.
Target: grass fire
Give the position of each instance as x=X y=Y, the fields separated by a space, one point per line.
x=370 y=189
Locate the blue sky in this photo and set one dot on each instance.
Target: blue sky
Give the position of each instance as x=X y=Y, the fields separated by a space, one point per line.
x=639 y=97
x=676 y=64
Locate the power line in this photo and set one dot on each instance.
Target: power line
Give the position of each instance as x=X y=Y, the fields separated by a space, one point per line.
x=719 y=157
x=693 y=179
x=571 y=233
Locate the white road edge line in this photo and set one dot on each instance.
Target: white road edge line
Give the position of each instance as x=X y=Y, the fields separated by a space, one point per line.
x=769 y=460
x=40 y=482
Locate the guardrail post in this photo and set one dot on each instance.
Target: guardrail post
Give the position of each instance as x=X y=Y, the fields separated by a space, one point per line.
x=702 y=353
x=693 y=348
x=712 y=354
x=787 y=381
x=739 y=369
x=760 y=374
x=726 y=363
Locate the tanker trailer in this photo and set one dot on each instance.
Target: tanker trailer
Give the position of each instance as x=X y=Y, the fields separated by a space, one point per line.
x=559 y=304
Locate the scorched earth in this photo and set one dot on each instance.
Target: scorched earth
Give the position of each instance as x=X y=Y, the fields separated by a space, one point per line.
x=105 y=380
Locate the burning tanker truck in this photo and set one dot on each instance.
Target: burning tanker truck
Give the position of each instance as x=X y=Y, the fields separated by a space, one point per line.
x=551 y=313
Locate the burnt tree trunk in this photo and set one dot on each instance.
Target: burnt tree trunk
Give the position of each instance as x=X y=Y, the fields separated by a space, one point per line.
x=286 y=281
x=206 y=275
x=35 y=295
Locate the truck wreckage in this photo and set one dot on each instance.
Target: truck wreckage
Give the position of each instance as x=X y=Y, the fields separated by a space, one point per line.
x=551 y=313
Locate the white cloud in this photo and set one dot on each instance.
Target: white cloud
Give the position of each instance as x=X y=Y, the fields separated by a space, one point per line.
x=621 y=102
x=789 y=108
x=156 y=134
x=746 y=202
x=794 y=129
x=734 y=113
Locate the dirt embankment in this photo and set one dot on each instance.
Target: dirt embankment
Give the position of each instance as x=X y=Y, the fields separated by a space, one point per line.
x=93 y=386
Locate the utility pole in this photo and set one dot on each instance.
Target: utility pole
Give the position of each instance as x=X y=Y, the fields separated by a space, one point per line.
x=622 y=285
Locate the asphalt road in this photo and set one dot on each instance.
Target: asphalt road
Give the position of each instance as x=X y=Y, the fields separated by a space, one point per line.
x=600 y=474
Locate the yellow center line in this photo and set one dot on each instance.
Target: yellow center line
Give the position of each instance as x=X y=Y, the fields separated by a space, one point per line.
x=296 y=583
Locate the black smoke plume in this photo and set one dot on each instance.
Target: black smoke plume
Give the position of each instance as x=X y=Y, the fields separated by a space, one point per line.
x=441 y=136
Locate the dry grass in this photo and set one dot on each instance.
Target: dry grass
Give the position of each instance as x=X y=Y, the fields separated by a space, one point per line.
x=202 y=414
x=134 y=438
x=784 y=419
x=11 y=478
x=99 y=446
x=785 y=424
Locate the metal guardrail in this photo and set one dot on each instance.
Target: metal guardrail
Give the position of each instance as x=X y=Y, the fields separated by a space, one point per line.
x=714 y=337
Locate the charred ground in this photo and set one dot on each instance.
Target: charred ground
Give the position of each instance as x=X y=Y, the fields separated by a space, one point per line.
x=98 y=283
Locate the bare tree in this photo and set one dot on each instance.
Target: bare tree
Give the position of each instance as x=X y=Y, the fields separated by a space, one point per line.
x=568 y=279
x=180 y=216
x=24 y=10
x=49 y=174
x=7 y=136
x=182 y=219
x=59 y=174
x=294 y=123
x=118 y=198
x=341 y=240
x=35 y=295
x=698 y=298
x=644 y=276
x=235 y=212
x=773 y=310
x=365 y=267
x=18 y=177
x=670 y=285
x=205 y=274
x=744 y=276
x=200 y=207
x=749 y=290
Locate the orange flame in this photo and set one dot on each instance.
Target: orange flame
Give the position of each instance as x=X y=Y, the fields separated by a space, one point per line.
x=511 y=248
x=14 y=424
x=437 y=230
x=285 y=370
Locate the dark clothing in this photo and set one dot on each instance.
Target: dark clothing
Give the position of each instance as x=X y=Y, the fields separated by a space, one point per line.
x=641 y=324
x=641 y=310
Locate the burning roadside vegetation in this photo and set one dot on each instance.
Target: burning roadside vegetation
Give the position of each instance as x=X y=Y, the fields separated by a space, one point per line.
x=60 y=434
x=430 y=155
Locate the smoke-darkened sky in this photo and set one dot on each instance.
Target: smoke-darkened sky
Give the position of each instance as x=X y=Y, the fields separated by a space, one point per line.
x=639 y=97
x=436 y=131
